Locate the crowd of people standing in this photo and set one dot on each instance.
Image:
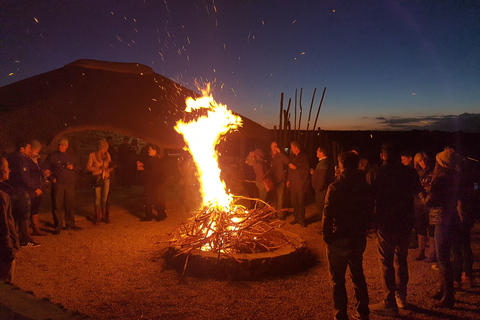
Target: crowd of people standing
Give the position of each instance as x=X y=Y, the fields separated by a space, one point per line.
x=405 y=197
x=24 y=177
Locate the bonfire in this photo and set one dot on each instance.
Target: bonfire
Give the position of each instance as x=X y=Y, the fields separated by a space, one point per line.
x=221 y=225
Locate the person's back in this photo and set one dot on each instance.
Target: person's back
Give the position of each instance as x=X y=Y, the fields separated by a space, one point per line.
x=395 y=186
x=349 y=205
x=346 y=219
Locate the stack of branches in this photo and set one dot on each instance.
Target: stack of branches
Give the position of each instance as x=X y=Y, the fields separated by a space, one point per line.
x=229 y=231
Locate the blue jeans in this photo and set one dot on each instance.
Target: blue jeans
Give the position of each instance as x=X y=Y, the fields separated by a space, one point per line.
x=392 y=252
x=101 y=195
x=446 y=240
x=262 y=193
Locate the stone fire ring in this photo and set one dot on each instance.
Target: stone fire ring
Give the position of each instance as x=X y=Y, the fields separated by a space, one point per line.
x=291 y=258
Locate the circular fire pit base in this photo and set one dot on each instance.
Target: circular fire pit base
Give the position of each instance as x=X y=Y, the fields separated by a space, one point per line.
x=284 y=261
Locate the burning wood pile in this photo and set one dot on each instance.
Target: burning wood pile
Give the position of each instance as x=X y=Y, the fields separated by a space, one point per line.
x=223 y=228
x=229 y=232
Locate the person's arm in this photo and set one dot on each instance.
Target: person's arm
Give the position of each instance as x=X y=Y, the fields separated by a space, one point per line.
x=328 y=215
x=90 y=167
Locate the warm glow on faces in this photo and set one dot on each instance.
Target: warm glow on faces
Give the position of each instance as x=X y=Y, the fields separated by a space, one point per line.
x=406 y=160
x=26 y=150
x=295 y=149
x=63 y=147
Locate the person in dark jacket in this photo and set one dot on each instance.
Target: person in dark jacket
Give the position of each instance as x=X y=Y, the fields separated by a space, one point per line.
x=277 y=173
x=322 y=176
x=347 y=216
x=443 y=200
x=9 y=243
x=38 y=178
x=22 y=183
x=155 y=179
x=298 y=182
x=61 y=167
x=394 y=186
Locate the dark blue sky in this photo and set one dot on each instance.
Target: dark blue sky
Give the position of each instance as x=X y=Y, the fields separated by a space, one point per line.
x=386 y=64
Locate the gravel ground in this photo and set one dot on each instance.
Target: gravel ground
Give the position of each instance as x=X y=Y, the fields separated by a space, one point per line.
x=116 y=271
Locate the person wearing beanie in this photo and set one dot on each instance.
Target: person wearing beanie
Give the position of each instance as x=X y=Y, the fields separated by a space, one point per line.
x=99 y=165
x=61 y=167
x=442 y=200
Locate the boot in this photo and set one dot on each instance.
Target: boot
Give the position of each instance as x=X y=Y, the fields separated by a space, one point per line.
x=432 y=253
x=36 y=226
x=105 y=215
x=98 y=216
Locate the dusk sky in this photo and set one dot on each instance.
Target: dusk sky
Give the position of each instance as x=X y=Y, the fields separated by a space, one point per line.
x=387 y=64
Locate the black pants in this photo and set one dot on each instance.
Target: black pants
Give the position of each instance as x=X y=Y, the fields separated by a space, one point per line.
x=154 y=199
x=340 y=254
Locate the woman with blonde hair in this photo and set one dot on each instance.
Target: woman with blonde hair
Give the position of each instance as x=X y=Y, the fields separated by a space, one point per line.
x=98 y=164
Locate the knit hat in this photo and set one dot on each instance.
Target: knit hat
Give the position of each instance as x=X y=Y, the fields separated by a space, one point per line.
x=447 y=158
x=63 y=141
x=35 y=145
x=102 y=144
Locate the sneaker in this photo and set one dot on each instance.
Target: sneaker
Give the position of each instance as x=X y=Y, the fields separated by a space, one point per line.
x=383 y=309
x=30 y=244
x=435 y=267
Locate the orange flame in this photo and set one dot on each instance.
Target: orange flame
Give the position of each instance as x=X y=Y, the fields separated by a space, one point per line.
x=201 y=137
